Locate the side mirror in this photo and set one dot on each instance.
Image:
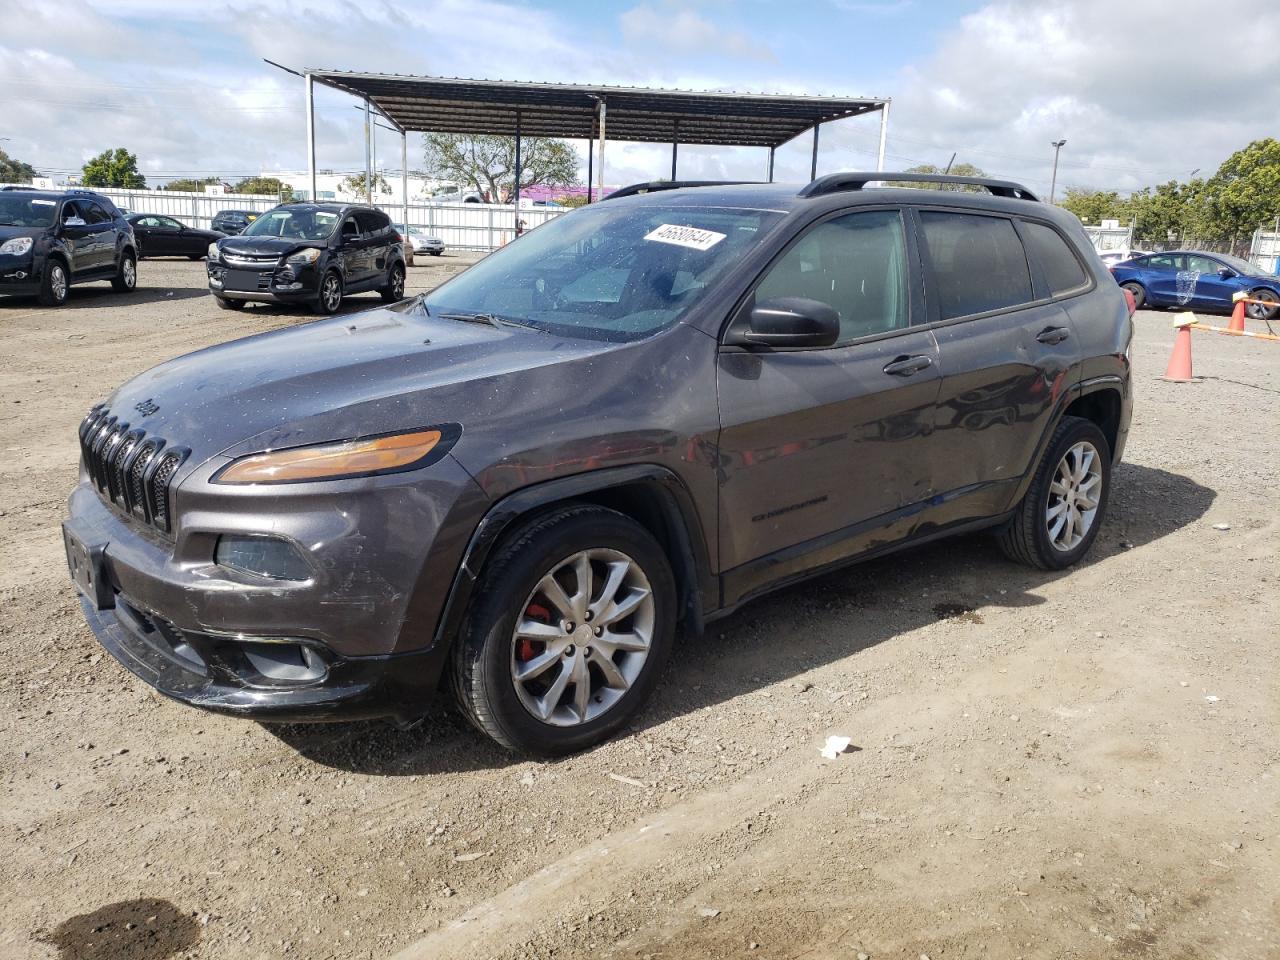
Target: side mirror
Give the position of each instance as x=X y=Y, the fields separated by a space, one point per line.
x=1226 y=273
x=73 y=222
x=791 y=322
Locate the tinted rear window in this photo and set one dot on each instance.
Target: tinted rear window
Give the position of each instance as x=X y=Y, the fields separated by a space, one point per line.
x=978 y=263
x=1057 y=263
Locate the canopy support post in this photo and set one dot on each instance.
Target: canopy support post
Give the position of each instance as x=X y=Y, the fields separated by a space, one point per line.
x=516 y=201
x=884 y=130
x=404 y=177
x=675 y=146
x=311 y=136
x=771 y=152
x=368 y=154
x=813 y=166
x=601 y=110
x=591 y=155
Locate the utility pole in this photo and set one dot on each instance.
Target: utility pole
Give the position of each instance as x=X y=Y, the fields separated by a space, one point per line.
x=1053 y=184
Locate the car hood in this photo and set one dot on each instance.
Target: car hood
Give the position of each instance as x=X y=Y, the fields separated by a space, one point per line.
x=264 y=245
x=8 y=233
x=381 y=371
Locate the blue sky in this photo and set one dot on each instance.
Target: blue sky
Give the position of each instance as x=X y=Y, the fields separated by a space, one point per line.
x=184 y=86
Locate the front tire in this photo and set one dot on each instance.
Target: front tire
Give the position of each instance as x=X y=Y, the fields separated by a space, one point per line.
x=1259 y=312
x=1137 y=292
x=394 y=290
x=54 y=285
x=329 y=298
x=126 y=278
x=1059 y=518
x=568 y=631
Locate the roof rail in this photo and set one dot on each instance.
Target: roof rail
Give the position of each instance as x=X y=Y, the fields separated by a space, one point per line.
x=18 y=186
x=655 y=185
x=837 y=182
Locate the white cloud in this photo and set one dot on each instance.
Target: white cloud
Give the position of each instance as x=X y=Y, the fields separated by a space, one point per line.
x=671 y=28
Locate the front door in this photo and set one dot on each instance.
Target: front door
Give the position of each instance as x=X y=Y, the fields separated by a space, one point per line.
x=817 y=445
x=1212 y=289
x=80 y=238
x=355 y=260
x=1006 y=352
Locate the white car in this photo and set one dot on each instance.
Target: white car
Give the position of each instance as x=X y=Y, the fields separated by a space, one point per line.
x=1112 y=257
x=420 y=241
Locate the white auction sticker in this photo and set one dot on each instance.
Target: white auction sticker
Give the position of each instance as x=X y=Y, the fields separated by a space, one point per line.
x=37 y=202
x=691 y=237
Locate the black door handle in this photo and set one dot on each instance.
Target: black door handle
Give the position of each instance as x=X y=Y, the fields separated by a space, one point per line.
x=1053 y=335
x=907 y=366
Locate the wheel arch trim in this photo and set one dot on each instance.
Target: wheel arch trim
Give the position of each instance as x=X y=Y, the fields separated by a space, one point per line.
x=686 y=542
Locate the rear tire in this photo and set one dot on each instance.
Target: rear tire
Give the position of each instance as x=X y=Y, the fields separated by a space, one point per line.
x=226 y=304
x=1137 y=292
x=1059 y=518
x=54 y=285
x=547 y=712
x=126 y=278
x=394 y=290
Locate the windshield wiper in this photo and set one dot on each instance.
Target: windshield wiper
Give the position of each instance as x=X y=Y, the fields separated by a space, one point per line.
x=491 y=319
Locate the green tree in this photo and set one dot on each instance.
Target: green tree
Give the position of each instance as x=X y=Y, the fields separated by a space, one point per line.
x=266 y=185
x=114 y=168
x=957 y=170
x=1094 y=206
x=190 y=186
x=1245 y=192
x=355 y=184
x=15 y=171
x=487 y=163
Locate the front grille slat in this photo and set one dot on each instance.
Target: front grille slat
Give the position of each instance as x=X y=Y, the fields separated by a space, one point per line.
x=130 y=470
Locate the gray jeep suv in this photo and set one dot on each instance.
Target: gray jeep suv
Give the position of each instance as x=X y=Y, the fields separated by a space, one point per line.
x=643 y=413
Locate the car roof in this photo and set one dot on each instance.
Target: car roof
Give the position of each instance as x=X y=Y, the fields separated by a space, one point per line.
x=54 y=194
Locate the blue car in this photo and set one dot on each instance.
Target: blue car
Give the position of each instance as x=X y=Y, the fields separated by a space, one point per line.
x=1197 y=281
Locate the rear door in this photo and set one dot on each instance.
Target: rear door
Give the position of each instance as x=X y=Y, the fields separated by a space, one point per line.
x=155 y=239
x=1160 y=277
x=103 y=230
x=355 y=262
x=816 y=442
x=1007 y=349
x=378 y=237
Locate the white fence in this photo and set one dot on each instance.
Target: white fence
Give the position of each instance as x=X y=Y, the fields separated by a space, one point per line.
x=462 y=226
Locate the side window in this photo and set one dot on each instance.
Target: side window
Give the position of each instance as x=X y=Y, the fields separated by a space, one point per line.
x=94 y=213
x=1051 y=253
x=856 y=264
x=69 y=210
x=371 y=222
x=1202 y=265
x=978 y=263
x=350 y=230
x=149 y=222
x=1164 y=261
x=168 y=223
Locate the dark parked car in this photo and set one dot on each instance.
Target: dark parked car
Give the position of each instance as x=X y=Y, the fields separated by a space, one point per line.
x=160 y=236
x=309 y=253
x=645 y=412
x=1197 y=280
x=233 y=221
x=51 y=239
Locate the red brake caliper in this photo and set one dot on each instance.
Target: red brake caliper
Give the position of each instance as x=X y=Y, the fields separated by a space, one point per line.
x=525 y=649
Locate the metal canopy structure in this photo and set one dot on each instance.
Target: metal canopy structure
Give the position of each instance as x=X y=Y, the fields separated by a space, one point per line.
x=636 y=114
x=581 y=111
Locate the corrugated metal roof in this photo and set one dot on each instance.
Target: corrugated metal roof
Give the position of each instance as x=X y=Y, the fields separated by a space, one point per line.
x=639 y=114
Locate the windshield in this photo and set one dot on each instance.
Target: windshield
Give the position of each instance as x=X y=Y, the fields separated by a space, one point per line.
x=1238 y=265
x=295 y=223
x=610 y=271
x=17 y=210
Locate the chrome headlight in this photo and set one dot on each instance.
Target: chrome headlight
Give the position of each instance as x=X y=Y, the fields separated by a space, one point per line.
x=213 y=251
x=17 y=246
x=304 y=257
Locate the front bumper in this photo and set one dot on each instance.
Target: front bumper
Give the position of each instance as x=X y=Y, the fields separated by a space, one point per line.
x=18 y=275
x=274 y=284
x=355 y=640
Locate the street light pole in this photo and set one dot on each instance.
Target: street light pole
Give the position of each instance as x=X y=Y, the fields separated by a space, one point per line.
x=1053 y=184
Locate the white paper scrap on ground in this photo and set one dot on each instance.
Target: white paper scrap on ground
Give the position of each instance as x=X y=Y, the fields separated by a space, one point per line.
x=835 y=746
x=692 y=237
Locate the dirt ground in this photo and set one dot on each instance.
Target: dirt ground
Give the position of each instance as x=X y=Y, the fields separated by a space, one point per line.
x=1045 y=766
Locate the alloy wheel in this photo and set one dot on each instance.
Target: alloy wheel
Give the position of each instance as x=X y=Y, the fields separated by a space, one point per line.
x=1074 y=496
x=57 y=282
x=582 y=637
x=332 y=293
x=1258 y=311
x=129 y=271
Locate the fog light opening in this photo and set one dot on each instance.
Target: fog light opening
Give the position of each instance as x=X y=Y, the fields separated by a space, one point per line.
x=284 y=661
x=268 y=557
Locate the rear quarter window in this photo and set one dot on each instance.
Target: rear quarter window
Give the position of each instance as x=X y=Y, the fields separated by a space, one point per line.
x=978 y=263
x=1052 y=254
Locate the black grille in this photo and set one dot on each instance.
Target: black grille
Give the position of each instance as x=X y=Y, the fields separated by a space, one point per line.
x=129 y=469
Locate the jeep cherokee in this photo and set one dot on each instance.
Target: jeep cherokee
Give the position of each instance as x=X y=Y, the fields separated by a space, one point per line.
x=645 y=412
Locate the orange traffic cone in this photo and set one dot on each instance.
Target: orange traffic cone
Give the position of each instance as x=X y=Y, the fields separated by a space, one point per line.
x=1179 y=369
x=1237 y=317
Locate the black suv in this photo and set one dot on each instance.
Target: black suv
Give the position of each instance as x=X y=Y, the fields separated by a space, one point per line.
x=232 y=221
x=311 y=253
x=647 y=411
x=50 y=239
